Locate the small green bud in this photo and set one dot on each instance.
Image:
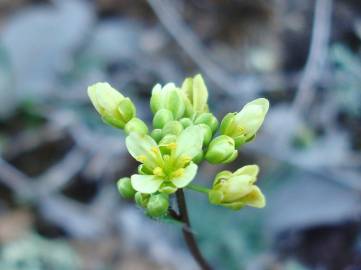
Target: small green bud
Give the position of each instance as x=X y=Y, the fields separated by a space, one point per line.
x=221 y=150
x=141 y=199
x=172 y=127
x=156 y=134
x=208 y=119
x=158 y=205
x=162 y=117
x=186 y=122
x=169 y=97
x=114 y=108
x=125 y=188
x=207 y=133
x=136 y=125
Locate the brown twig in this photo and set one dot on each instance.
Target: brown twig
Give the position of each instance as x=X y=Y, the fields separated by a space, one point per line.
x=187 y=233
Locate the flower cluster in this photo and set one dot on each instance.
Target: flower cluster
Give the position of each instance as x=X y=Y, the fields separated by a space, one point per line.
x=184 y=133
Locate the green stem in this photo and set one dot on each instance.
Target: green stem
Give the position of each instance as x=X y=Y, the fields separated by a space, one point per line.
x=198 y=188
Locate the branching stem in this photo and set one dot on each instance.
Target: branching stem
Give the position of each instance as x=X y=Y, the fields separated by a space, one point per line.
x=198 y=188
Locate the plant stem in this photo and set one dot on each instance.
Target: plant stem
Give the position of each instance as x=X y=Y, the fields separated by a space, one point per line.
x=187 y=233
x=198 y=188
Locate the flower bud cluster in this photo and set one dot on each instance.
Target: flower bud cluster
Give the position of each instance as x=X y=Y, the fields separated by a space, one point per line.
x=184 y=133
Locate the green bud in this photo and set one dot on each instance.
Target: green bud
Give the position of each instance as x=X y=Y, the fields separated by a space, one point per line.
x=207 y=133
x=156 y=134
x=221 y=150
x=172 y=127
x=169 y=97
x=186 y=122
x=208 y=119
x=125 y=188
x=141 y=199
x=114 y=108
x=243 y=126
x=136 y=125
x=158 y=205
x=162 y=117
x=196 y=92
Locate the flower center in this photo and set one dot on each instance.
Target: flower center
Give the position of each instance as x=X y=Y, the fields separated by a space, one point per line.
x=177 y=173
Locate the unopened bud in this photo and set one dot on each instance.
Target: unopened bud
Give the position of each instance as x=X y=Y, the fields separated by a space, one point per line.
x=114 y=108
x=196 y=91
x=162 y=117
x=221 y=150
x=141 y=199
x=158 y=205
x=208 y=119
x=169 y=97
x=243 y=126
x=125 y=188
x=186 y=122
x=136 y=125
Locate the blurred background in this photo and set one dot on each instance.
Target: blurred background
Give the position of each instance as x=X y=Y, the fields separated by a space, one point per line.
x=59 y=207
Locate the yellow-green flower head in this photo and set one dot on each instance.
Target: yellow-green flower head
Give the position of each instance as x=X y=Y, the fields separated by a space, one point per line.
x=165 y=171
x=169 y=97
x=243 y=126
x=236 y=190
x=114 y=108
x=196 y=95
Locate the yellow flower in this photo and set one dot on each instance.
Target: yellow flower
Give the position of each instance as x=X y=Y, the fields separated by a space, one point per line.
x=165 y=171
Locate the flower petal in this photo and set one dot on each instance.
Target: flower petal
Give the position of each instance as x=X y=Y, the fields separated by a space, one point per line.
x=189 y=142
x=250 y=170
x=189 y=173
x=252 y=115
x=235 y=206
x=144 y=149
x=255 y=198
x=200 y=94
x=146 y=183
